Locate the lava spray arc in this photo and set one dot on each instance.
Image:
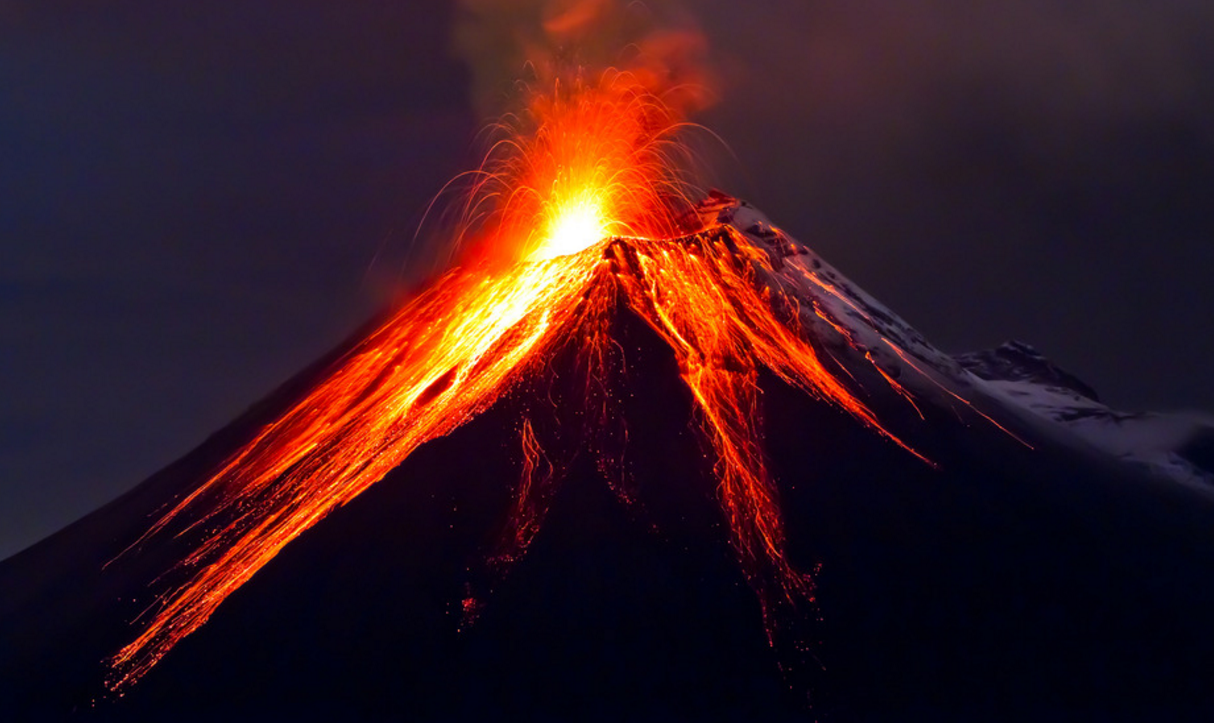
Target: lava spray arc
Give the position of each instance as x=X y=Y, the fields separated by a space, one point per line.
x=585 y=211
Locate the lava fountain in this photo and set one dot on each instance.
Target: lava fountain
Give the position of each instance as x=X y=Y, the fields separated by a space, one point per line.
x=581 y=211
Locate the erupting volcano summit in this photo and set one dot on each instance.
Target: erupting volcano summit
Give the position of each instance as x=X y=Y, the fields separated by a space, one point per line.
x=635 y=456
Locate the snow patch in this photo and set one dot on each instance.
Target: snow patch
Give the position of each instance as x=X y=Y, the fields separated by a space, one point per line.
x=1014 y=376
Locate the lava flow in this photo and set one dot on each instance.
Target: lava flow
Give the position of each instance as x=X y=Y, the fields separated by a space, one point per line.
x=580 y=214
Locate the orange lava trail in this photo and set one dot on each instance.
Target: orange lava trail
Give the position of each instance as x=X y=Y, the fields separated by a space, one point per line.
x=536 y=486
x=906 y=358
x=705 y=301
x=531 y=500
x=440 y=361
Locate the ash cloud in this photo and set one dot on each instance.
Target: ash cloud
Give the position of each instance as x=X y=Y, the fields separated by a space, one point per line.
x=509 y=43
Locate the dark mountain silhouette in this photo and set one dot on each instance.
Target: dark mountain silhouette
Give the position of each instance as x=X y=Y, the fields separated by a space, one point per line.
x=1029 y=574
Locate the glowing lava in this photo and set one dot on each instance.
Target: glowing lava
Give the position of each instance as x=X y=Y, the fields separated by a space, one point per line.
x=593 y=162
x=577 y=226
x=587 y=161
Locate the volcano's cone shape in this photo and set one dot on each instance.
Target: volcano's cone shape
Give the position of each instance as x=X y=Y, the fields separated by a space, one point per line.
x=630 y=527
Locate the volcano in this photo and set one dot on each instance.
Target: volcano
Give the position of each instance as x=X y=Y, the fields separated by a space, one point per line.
x=703 y=477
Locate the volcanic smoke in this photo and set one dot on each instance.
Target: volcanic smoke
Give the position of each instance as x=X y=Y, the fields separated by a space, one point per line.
x=584 y=211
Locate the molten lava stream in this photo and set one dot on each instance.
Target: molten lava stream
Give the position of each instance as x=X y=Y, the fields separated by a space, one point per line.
x=441 y=360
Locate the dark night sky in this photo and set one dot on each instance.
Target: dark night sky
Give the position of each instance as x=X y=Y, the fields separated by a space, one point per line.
x=198 y=199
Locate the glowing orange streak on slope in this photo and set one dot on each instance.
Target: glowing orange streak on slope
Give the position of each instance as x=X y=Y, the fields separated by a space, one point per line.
x=537 y=483
x=711 y=308
x=708 y=306
x=906 y=358
x=441 y=360
x=531 y=500
x=893 y=383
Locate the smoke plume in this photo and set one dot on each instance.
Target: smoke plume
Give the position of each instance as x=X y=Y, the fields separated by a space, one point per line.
x=508 y=44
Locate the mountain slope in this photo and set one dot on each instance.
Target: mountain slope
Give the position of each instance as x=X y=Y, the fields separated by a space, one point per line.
x=999 y=567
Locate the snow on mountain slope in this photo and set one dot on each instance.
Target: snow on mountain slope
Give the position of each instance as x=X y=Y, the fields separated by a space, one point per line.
x=1014 y=378
x=835 y=311
x=1178 y=445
